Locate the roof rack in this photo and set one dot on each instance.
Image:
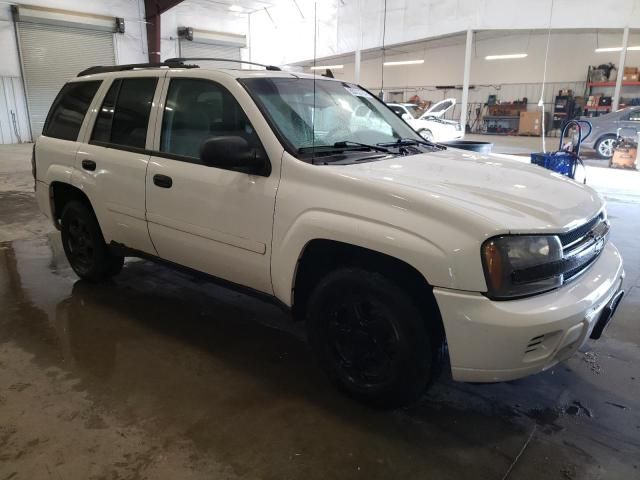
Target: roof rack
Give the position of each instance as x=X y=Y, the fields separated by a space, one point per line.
x=132 y=66
x=200 y=59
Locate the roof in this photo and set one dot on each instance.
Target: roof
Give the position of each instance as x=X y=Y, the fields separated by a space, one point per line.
x=232 y=72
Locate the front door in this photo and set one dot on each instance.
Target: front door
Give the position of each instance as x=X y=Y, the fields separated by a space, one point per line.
x=210 y=219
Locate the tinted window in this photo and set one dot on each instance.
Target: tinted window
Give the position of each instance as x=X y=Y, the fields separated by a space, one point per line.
x=124 y=115
x=68 y=110
x=102 y=127
x=197 y=110
x=634 y=115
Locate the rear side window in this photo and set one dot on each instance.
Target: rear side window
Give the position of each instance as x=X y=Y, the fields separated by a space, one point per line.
x=124 y=116
x=68 y=110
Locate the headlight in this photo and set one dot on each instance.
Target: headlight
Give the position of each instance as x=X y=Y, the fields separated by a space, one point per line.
x=521 y=265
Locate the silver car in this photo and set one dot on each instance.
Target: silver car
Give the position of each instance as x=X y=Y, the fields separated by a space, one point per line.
x=603 y=137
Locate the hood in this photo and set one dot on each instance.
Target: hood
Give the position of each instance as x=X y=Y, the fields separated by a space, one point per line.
x=439 y=109
x=504 y=195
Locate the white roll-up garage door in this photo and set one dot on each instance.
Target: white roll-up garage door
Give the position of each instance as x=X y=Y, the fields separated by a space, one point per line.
x=51 y=55
x=191 y=49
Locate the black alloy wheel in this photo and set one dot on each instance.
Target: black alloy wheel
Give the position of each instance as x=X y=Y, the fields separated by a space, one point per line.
x=84 y=245
x=372 y=339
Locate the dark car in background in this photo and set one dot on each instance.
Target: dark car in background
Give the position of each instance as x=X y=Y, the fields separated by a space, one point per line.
x=603 y=137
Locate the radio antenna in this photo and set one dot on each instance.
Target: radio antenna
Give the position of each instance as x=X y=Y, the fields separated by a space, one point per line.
x=384 y=34
x=313 y=112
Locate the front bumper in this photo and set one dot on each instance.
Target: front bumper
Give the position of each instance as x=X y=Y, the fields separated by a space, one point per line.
x=492 y=341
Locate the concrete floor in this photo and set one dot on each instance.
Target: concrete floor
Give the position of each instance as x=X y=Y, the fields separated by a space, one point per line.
x=160 y=376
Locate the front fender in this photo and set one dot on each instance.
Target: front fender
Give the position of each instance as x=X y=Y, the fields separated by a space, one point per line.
x=424 y=256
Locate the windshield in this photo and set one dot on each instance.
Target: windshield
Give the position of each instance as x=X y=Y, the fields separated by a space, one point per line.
x=337 y=112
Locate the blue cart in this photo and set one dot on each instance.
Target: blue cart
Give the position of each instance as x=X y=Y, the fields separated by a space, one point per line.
x=564 y=161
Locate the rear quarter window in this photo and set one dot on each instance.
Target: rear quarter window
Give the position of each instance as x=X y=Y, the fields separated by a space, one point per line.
x=69 y=109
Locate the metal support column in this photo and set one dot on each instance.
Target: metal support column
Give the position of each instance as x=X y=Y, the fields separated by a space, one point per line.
x=623 y=56
x=153 y=9
x=465 y=80
x=356 y=74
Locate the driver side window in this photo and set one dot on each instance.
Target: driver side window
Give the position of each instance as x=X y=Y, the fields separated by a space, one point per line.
x=197 y=110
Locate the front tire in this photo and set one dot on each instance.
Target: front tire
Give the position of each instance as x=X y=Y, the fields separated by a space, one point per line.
x=605 y=146
x=84 y=245
x=371 y=339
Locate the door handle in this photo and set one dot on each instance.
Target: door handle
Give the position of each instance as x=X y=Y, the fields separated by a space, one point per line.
x=162 y=181
x=89 y=165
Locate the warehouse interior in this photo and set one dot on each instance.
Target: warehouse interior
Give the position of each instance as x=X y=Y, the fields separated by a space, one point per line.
x=160 y=373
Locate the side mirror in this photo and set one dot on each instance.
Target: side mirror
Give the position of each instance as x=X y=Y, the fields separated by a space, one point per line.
x=406 y=117
x=234 y=153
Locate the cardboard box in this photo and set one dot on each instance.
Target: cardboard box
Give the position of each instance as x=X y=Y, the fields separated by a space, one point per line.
x=530 y=123
x=630 y=77
x=624 y=157
x=630 y=70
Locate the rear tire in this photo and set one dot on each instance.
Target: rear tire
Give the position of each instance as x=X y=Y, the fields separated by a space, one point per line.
x=604 y=146
x=84 y=245
x=371 y=339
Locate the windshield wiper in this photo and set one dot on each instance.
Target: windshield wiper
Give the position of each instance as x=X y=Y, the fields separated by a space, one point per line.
x=411 y=141
x=344 y=145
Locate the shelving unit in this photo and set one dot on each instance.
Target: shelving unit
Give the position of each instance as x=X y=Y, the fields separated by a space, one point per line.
x=501 y=124
x=607 y=88
x=612 y=84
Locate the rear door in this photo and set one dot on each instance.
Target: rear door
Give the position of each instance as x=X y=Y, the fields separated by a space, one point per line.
x=56 y=148
x=631 y=120
x=111 y=164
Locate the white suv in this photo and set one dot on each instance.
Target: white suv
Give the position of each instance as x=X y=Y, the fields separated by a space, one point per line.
x=389 y=247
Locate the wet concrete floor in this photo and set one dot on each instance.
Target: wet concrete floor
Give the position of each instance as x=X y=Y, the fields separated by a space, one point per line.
x=156 y=375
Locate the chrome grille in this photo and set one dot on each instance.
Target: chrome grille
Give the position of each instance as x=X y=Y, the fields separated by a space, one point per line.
x=583 y=245
x=579 y=233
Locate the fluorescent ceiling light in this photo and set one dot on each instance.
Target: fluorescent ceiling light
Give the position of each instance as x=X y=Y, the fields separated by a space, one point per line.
x=404 y=62
x=616 y=49
x=330 y=67
x=236 y=8
x=506 y=57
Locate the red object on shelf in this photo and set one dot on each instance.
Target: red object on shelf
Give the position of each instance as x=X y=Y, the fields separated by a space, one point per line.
x=613 y=84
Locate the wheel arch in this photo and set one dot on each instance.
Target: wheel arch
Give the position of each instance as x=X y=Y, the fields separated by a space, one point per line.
x=321 y=256
x=60 y=194
x=601 y=138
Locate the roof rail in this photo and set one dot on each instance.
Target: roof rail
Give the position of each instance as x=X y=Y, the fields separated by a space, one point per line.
x=131 y=66
x=200 y=59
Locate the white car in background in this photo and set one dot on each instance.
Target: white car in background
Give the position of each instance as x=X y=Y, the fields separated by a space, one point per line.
x=430 y=124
